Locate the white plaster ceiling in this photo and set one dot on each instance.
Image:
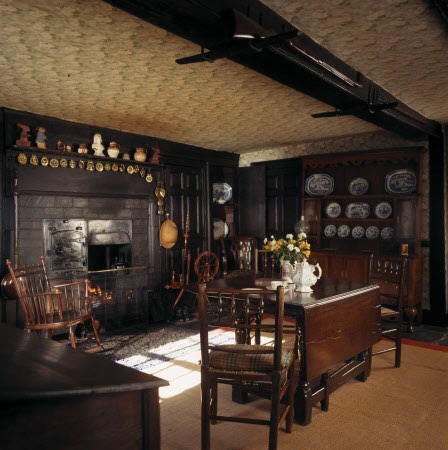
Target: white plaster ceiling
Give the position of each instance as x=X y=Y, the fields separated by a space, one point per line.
x=88 y=62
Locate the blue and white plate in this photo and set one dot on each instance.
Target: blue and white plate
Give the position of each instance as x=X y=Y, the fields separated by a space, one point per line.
x=401 y=181
x=319 y=184
x=372 y=232
x=330 y=231
x=387 y=233
x=358 y=186
x=357 y=210
x=358 y=232
x=333 y=210
x=383 y=210
x=344 y=231
x=222 y=192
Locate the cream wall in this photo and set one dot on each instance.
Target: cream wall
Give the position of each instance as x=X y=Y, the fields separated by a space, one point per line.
x=368 y=141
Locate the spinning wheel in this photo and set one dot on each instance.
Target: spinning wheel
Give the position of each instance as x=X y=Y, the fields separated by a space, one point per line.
x=206 y=266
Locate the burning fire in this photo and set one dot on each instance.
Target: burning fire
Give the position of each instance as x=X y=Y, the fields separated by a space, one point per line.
x=97 y=292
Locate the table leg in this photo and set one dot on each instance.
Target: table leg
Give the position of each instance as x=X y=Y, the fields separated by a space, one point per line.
x=303 y=404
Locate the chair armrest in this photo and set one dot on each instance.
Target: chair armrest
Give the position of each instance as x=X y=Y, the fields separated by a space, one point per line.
x=74 y=283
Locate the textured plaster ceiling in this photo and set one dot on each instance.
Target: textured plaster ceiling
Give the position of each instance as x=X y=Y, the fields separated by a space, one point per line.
x=88 y=62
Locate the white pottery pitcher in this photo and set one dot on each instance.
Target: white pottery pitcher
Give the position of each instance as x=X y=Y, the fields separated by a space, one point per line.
x=302 y=274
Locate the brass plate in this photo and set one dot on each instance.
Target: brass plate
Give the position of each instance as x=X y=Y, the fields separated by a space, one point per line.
x=81 y=164
x=34 y=160
x=72 y=164
x=107 y=167
x=90 y=166
x=54 y=163
x=99 y=167
x=22 y=158
x=63 y=162
x=130 y=170
x=44 y=161
x=149 y=178
x=114 y=167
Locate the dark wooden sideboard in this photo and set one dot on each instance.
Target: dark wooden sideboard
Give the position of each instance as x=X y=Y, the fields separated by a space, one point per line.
x=55 y=397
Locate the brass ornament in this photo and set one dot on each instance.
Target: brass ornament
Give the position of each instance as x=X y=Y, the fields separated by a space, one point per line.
x=130 y=170
x=81 y=164
x=121 y=168
x=54 y=163
x=34 y=160
x=114 y=167
x=142 y=173
x=149 y=178
x=99 y=166
x=63 y=162
x=72 y=164
x=22 y=158
x=90 y=166
x=107 y=167
x=44 y=161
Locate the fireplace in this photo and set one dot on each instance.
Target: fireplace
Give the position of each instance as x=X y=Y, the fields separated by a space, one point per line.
x=75 y=246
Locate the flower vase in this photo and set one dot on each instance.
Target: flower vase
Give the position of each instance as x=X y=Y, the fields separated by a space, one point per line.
x=302 y=274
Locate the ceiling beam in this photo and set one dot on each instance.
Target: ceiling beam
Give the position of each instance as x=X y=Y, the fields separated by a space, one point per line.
x=298 y=62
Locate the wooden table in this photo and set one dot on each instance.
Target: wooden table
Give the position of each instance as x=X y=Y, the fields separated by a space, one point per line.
x=54 y=397
x=339 y=323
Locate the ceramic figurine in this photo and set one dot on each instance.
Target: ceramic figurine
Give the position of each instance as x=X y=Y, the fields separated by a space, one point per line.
x=25 y=136
x=97 y=146
x=140 y=154
x=126 y=156
x=68 y=148
x=83 y=148
x=155 y=156
x=113 y=150
x=41 y=139
x=59 y=146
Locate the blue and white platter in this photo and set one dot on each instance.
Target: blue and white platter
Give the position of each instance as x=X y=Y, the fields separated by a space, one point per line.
x=319 y=184
x=357 y=210
x=333 y=210
x=401 y=181
x=358 y=186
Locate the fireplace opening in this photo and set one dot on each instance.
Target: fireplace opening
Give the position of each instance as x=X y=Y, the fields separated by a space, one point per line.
x=113 y=256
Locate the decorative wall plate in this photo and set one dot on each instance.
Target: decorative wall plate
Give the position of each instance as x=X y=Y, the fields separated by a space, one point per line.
x=387 y=233
x=319 y=184
x=383 y=210
x=401 y=181
x=357 y=210
x=358 y=186
x=372 y=232
x=333 y=210
x=330 y=231
x=358 y=232
x=222 y=192
x=344 y=231
x=220 y=229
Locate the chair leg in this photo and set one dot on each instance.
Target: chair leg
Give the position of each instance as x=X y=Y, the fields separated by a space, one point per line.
x=398 y=344
x=49 y=334
x=95 y=333
x=290 y=394
x=72 y=337
x=275 y=408
x=214 y=400
x=205 y=412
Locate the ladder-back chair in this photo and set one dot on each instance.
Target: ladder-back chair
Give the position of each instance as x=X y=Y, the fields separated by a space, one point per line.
x=390 y=273
x=268 y=369
x=46 y=307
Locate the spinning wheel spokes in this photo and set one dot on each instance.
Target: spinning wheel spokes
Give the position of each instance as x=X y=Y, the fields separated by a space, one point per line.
x=206 y=266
